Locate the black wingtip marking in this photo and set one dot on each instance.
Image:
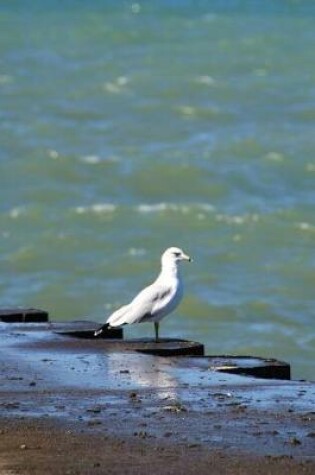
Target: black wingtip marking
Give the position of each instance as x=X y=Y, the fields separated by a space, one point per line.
x=100 y=330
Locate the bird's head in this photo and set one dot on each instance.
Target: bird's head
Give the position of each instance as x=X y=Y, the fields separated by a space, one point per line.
x=174 y=255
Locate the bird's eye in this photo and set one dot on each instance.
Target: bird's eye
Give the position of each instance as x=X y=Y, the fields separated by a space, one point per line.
x=177 y=254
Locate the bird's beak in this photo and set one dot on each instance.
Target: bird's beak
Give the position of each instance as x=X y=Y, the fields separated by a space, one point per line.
x=186 y=258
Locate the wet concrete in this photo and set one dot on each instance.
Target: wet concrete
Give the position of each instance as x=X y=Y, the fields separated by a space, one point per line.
x=129 y=394
x=86 y=330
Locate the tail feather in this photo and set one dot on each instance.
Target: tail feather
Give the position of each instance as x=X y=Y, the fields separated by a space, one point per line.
x=118 y=317
x=100 y=330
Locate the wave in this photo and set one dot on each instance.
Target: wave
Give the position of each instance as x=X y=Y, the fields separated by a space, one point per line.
x=96 y=208
x=183 y=208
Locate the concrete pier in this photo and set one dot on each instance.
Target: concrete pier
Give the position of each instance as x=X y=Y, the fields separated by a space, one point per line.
x=180 y=404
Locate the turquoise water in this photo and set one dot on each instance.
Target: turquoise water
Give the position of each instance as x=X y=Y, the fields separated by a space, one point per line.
x=128 y=127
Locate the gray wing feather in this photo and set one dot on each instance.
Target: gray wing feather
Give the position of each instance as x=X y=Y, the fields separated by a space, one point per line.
x=115 y=318
x=147 y=304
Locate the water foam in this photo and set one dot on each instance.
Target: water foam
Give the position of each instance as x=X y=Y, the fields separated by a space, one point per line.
x=97 y=208
x=183 y=208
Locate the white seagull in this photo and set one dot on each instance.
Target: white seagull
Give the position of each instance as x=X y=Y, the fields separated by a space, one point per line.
x=155 y=301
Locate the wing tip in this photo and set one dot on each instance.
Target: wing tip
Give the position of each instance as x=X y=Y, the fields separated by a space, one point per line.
x=100 y=330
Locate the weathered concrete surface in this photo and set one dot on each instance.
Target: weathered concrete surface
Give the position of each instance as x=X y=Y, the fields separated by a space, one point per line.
x=178 y=402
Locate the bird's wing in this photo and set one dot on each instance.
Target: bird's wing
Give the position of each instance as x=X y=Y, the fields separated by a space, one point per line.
x=114 y=319
x=163 y=297
x=151 y=301
x=144 y=306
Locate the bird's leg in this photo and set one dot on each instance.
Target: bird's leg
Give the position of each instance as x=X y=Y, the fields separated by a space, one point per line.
x=156 y=329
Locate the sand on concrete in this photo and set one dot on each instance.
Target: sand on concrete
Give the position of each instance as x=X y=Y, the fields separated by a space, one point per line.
x=37 y=447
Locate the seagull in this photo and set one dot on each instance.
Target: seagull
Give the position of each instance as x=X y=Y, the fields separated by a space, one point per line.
x=155 y=301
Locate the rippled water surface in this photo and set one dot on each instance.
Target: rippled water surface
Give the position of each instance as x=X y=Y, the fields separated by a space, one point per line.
x=129 y=127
